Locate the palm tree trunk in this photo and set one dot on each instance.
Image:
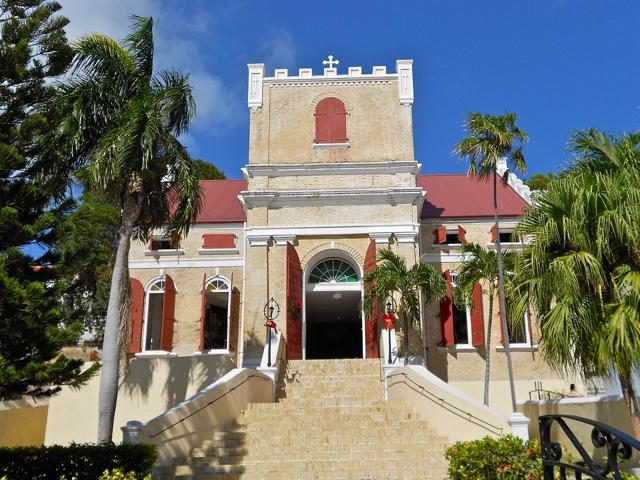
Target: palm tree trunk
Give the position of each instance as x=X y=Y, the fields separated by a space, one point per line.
x=111 y=343
x=503 y=310
x=631 y=401
x=487 y=368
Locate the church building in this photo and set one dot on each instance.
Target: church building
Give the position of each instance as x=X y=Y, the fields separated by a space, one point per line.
x=331 y=179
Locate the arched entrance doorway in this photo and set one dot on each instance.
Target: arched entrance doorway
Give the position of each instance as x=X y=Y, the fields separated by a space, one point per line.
x=333 y=307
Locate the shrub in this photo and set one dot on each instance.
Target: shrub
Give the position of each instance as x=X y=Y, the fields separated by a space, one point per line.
x=118 y=474
x=76 y=461
x=503 y=458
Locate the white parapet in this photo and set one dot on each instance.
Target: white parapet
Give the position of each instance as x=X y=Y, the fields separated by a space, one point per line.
x=330 y=73
x=519 y=425
x=256 y=80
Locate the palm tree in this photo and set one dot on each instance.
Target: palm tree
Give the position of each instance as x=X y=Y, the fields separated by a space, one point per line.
x=121 y=127
x=480 y=265
x=493 y=138
x=391 y=277
x=581 y=273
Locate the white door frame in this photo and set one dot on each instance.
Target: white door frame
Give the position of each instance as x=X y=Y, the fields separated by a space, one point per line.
x=332 y=287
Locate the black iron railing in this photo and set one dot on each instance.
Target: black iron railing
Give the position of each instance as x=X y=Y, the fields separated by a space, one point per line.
x=619 y=448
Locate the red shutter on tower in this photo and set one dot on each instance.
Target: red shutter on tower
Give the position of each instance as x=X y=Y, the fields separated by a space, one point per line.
x=219 y=240
x=494 y=235
x=234 y=320
x=441 y=234
x=175 y=241
x=331 y=121
x=462 y=235
x=446 y=314
x=150 y=244
x=168 y=314
x=137 y=312
x=203 y=313
x=293 y=295
x=477 y=317
x=371 y=324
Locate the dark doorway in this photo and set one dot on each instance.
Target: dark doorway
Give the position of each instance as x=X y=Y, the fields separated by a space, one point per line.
x=334 y=325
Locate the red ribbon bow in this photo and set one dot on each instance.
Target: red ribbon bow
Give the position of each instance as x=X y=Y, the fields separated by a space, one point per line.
x=388 y=319
x=271 y=324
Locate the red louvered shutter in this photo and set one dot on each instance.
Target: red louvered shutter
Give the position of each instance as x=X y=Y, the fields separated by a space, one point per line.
x=441 y=234
x=219 y=240
x=477 y=317
x=203 y=313
x=462 y=235
x=331 y=121
x=137 y=315
x=293 y=295
x=168 y=314
x=371 y=323
x=446 y=314
x=494 y=234
x=234 y=320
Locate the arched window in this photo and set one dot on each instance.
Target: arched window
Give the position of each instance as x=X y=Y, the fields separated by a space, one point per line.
x=159 y=314
x=333 y=270
x=331 y=121
x=215 y=335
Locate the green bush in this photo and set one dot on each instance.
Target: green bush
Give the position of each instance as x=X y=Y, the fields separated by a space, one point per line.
x=503 y=458
x=118 y=474
x=76 y=461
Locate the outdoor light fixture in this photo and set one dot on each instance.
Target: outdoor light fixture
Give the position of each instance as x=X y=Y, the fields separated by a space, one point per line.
x=337 y=296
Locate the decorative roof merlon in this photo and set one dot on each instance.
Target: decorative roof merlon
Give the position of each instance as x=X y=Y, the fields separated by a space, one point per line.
x=514 y=182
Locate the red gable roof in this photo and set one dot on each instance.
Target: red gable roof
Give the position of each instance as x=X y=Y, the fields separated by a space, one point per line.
x=458 y=195
x=220 y=202
x=448 y=196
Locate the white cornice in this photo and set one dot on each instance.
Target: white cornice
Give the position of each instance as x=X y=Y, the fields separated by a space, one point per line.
x=377 y=231
x=313 y=198
x=454 y=221
x=322 y=169
x=187 y=263
x=331 y=79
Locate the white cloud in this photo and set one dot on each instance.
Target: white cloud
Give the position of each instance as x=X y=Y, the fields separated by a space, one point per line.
x=110 y=17
x=185 y=43
x=279 y=50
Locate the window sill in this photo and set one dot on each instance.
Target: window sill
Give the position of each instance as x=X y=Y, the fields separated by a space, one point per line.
x=512 y=245
x=331 y=146
x=445 y=246
x=164 y=253
x=458 y=349
x=519 y=347
x=155 y=353
x=218 y=251
x=213 y=352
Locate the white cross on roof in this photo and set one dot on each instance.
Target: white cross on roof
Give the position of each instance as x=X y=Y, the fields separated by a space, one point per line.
x=330 y=61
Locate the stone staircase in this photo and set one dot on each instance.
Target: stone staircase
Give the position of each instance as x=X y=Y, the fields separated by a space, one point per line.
x=330 y=422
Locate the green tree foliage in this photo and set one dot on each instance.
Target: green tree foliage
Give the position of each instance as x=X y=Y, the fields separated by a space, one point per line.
x=392 y=277
x=121 y=130
x=581 y=274
x=480 y=266
x=491 y=139
x=207 y=171
x=33 y=329
x=540 y=181
x=86 y=247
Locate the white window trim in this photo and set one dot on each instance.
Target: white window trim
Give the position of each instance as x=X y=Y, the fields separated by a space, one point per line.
x=218 y=251
x=527 y=346
x=217 y=351
x=155 y=353
x=330 y=146
x=143 y=347
x=462 y=347
x=444 y=246
x=164 y=252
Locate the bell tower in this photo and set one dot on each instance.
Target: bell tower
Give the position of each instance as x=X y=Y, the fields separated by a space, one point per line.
x=331 y=173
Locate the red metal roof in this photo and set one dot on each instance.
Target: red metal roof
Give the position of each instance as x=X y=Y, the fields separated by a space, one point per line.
x=458 y=195
x=448 y=196
x=220 y=202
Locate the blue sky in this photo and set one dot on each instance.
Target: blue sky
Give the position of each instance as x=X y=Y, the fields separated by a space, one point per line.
x=561 y=65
